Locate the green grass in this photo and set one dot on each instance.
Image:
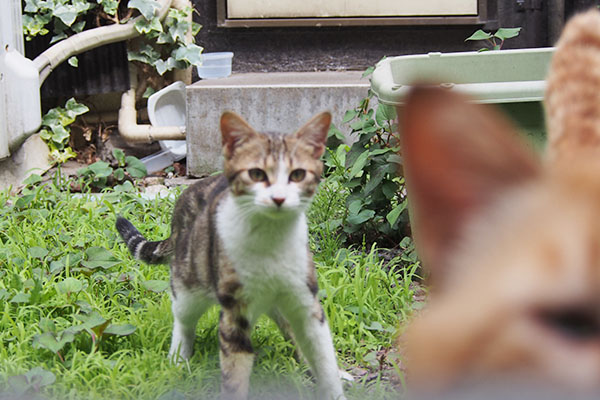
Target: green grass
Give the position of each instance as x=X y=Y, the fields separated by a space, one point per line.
x=79 y=318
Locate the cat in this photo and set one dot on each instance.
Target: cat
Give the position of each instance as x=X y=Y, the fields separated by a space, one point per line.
x=510 y=238
x=240 y=239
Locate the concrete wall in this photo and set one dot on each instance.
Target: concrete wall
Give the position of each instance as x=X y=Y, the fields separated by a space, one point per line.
x=275 y=102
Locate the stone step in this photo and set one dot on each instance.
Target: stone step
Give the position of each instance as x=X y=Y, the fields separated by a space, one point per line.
x=281 y=101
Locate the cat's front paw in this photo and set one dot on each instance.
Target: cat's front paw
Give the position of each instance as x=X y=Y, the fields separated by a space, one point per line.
x=179 y=353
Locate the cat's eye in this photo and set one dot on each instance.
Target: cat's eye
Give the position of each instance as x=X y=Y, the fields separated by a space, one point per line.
x=576 y=324
x=297 y=175
x=257 y=175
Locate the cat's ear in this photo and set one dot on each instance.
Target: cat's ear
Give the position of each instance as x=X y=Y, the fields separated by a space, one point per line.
x=314 y=132
x=234 y=131
x=459 y=157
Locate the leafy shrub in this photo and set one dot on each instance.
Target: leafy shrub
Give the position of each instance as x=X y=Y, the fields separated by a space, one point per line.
x=55 y=129
x=368 y=173
x=166 y=46
x=494 y=41
x=101 y=174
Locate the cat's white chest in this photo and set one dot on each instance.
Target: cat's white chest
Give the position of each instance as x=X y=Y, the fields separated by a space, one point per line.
x=269 y=257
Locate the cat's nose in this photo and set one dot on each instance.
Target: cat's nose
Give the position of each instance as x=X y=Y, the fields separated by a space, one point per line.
x=278 y=200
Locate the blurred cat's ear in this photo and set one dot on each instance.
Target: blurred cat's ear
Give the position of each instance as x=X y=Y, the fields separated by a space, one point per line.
x=314 y=133
x=234 y=131
x=459 y=157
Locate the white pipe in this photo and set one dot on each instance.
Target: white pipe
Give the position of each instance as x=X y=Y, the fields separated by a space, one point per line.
x=128 y=126
x=132 y=132
x=86 y=40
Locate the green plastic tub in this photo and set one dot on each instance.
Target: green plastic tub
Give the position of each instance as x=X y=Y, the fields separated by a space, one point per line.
x=512 y=79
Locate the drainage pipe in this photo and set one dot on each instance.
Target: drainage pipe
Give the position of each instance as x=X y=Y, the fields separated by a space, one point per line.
x=86 y=40
x=128 y=126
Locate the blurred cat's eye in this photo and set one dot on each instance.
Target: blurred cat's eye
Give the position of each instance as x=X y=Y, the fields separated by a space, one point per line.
x=297 y=175
x=257 y=175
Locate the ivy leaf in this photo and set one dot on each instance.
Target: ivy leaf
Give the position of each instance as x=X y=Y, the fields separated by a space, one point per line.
x=76 y=108
x=145 y=7
x=66 y=14
x=135 y=167
x=178 y=26
x=78 y=27
x=58 y=37
x=146 y=54
x=73 y=61
x=98 y=257
x=195 y=28
x=190 y=53
x=109 y=6
x=171 y=63
x=32 y=6
x=60 y=134
x=479 y=35
x=146 y=26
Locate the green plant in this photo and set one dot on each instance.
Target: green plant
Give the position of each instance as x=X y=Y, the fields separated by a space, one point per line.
x=166 y=44
x=368 y=171
x=55 y=129
x=494 y=41
x=101 y=174
x=64 y=271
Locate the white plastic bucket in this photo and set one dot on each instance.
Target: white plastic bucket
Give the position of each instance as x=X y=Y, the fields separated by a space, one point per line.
x=215 y=65
x=167 y=107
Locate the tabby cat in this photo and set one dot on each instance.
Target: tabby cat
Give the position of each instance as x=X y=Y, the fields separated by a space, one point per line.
x=511 y=239
x=240 y=239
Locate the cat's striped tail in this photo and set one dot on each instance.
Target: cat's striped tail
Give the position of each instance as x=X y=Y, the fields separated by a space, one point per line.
x=142 y=249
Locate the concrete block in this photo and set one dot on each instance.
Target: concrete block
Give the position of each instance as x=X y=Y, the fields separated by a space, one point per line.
x=280 y=102
x=32 y=157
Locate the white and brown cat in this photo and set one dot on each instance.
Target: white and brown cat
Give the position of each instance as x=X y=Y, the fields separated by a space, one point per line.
x=240 y=239
x=511 y=239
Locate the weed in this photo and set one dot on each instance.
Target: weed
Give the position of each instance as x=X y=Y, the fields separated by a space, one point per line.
x=368 y=173
x=81 y=319
x=56 y=132
x=494 y=41
x=101 y=174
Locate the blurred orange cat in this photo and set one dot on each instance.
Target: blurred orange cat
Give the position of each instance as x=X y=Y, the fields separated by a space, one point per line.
x=511 y=240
